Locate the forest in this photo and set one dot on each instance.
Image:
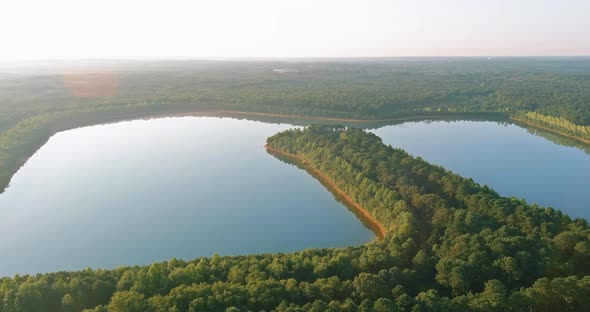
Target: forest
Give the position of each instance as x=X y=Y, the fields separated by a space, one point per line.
x=450 y=245
x=36 y=103
x=561 y=125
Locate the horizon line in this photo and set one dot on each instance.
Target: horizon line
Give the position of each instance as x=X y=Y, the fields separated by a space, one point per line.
x=249 y=58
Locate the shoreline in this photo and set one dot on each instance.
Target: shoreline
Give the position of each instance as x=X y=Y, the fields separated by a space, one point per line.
x=410 y=117
x=538 y=126
x=95 y=120
x=147 y=115
x=362 y=211
x=291 y=116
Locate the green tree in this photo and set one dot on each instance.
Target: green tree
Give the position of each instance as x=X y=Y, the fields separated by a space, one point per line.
x=127 y=301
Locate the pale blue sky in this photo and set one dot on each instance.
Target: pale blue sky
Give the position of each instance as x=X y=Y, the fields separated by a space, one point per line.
x=32 y=29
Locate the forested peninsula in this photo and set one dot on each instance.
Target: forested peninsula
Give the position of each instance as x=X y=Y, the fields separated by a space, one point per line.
x=450 y=245
x=552 y=93
x=359 y=210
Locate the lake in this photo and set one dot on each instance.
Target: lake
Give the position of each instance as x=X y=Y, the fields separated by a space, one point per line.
x=148 y=190
x=513 y=160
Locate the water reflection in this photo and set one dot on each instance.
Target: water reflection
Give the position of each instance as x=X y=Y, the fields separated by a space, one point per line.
x=148 y=190
x=556 y=138
x=510 y=159
x=337 y=196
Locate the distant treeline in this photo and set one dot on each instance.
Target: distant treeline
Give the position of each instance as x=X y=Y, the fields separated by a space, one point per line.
x=35 y=106
x=377 y=89
x=558 y=124
x=451 y=245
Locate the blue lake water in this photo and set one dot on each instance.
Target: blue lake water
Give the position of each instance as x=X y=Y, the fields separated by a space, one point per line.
x=148 y=190
x=507 y=157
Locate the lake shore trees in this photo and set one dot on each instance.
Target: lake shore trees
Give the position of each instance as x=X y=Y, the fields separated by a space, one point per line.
x=450 y=245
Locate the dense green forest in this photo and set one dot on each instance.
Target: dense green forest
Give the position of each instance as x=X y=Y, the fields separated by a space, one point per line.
x=450 y=245
x=559 y=124
x=40 y=99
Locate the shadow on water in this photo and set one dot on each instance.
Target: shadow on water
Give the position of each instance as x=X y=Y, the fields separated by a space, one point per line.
x=501 y=119
x=89 y=120
x=555 y=138
x=364 y=220
x=67 y=122
x=363 y=124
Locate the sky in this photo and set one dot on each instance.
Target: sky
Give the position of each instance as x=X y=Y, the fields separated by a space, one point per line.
x=66 y=29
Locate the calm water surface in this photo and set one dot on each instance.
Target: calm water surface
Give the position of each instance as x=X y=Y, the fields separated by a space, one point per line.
x=143 y=191
x=504 y=156
x=149 y=190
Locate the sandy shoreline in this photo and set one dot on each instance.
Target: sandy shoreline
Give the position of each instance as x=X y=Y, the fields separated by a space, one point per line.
x=365 y=213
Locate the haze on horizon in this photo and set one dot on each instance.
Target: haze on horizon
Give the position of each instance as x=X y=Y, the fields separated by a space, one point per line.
x=66 y=29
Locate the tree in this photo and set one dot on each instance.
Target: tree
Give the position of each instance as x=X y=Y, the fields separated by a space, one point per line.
x=127 y=301
x=384 y=305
